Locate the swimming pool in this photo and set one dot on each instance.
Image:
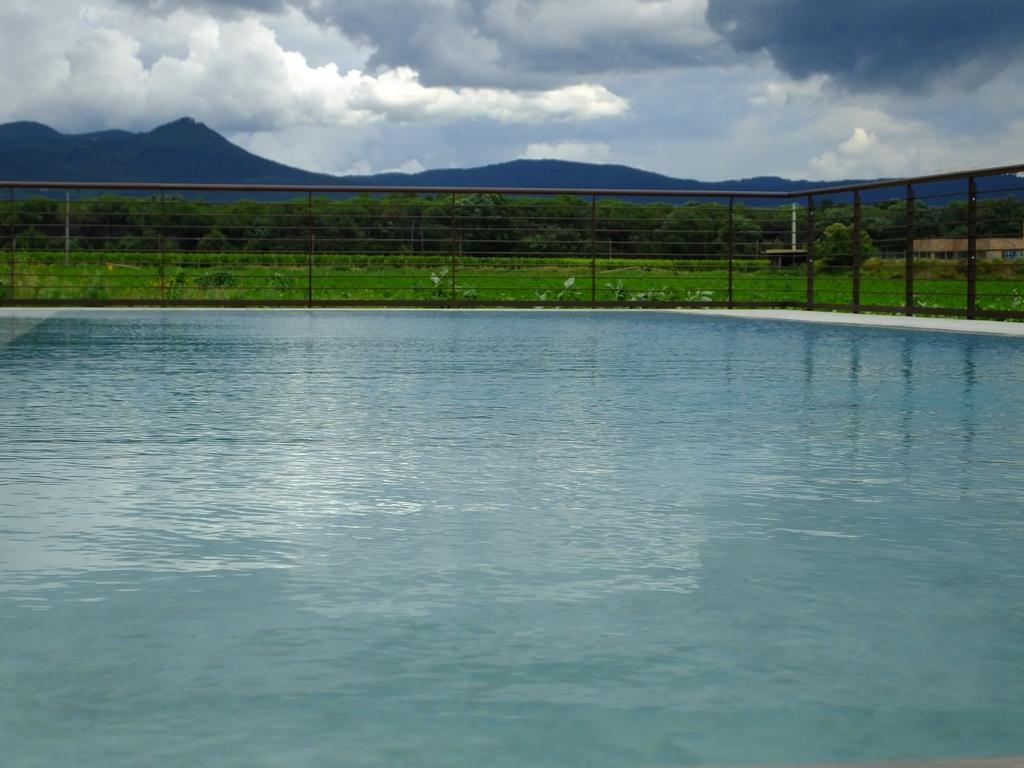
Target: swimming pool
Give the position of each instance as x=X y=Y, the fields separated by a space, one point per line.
x=370 y=538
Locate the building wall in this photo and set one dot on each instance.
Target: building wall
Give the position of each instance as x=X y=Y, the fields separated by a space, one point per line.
x=992 y=248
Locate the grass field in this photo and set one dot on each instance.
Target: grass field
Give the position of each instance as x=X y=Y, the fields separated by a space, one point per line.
x=336 y=277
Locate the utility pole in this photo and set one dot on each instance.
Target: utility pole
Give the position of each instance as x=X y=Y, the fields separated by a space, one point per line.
x=792 y=229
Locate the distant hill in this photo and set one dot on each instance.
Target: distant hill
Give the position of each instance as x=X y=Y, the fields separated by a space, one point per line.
x=187 y=151
x=183 y=151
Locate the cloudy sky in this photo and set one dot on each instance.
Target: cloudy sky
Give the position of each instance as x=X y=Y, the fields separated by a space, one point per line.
x=708 y=89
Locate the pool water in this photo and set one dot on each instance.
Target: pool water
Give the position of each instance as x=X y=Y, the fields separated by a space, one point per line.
x=362 y=538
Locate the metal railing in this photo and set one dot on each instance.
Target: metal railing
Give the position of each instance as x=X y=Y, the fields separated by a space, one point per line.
x=948 y=244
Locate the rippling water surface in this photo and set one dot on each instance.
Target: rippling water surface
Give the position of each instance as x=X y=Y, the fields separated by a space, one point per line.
x=505 y=539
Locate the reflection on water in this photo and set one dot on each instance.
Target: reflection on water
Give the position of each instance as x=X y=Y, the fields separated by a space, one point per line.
x=378 y=538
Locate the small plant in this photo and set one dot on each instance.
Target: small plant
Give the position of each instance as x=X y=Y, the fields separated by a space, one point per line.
x=218 y=278
x=648 y=295
x=694 y=295
x=280 y=282
x=96 y=290
x=437 y=278
x=176 y=285
x=566 y=293
x=469 y=292
x=618 y=290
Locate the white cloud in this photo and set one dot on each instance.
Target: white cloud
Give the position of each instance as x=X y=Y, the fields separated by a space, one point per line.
x=578 y=151
x=409 y=166
x=698 y=128
x=318 y=43
x=782 y=92
x=235 y=75
x=860 y=142
x=257 y=83
x=312 y=148
x=399 y=95
x=891 y=147
x=863 y=154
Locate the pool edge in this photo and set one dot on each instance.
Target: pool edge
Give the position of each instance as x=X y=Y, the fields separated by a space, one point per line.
x=954 y=325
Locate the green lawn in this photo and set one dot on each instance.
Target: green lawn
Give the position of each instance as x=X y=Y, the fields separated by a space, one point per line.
x=285 y=277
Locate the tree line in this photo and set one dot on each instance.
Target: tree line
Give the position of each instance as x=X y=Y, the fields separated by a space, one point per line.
x=478 y=225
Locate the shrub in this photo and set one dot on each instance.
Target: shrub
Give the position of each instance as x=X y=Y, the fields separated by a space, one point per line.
x=218 y=278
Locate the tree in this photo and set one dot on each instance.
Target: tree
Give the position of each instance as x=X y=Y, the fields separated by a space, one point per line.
x=836 y=245
x=483 y=223
x=213 y=241
x=745 y=231
x=557 y=225
x=694 y=230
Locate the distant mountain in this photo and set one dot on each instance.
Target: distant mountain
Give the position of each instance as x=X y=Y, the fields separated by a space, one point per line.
x=183 y=151
x=186 y=151
x=564 y=173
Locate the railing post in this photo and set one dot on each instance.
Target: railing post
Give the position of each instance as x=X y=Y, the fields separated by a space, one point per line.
x=972 y=247
x=161 y=249
x=455 y=243
x=732 y=247
x=809 y=236
x=310 y=244
x=14 y=245
x=856 y=254
x=908 y=307
x=593 y=251
x=67 y=228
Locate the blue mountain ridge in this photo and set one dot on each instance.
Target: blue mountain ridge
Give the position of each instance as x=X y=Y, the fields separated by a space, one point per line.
x=187 y=151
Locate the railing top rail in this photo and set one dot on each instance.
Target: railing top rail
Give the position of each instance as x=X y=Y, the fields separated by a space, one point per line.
x=600 y=192
x=901 y=182
x=350 y=188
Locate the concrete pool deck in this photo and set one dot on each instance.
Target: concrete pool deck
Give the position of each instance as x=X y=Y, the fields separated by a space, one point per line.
x=956 y=325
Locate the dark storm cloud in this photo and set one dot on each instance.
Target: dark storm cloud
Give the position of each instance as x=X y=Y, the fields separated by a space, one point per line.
x=443 y=43
x=512 y=43
x=502 y=41
x=869 y=45
x=864 y=45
